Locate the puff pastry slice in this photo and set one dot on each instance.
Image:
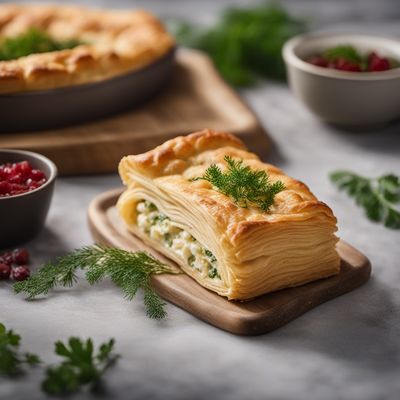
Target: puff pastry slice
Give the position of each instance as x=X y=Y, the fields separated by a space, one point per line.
x=236 y=252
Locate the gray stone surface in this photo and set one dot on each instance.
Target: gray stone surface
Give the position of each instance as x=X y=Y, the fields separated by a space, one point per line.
x=348 y=348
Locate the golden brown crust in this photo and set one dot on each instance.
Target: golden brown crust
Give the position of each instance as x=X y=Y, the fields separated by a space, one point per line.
x=173 y=156
x=257 y=252
x=115 y=42
x=186 y=157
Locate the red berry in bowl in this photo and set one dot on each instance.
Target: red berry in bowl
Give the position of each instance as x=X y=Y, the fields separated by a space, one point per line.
x=376 y=63
x=344 y=65
x=7 y=170
x=20 y=177
x=16 y=188
x=23 y=167
x=319 y=61
x=16 y=178
x=37 y=175
x=5 y=271
x=20 y=273
x=5 y=187
x=20 y=256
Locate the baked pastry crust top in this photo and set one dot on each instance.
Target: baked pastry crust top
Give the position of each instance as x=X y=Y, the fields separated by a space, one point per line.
x=115 y=42
x=186 y=157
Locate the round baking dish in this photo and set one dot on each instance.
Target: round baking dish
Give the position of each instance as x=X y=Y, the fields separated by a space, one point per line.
x=57 y=108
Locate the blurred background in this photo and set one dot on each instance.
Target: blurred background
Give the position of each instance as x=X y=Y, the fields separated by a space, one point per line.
x=322 y=14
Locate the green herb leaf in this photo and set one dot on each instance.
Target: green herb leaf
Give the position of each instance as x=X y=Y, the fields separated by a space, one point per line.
x=32 y=359
x=245 y=42
x=245 y=186
x=347 y=52
x=130 y=271
x=11 y=360
x=81 y=365
x=377 y=196
x=31 y=42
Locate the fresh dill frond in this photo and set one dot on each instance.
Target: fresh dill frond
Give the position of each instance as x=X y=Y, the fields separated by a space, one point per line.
x=245 y=186
x=130 y=271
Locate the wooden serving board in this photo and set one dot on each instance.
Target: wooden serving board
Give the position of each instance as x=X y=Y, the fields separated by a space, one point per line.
x=195 y=98
x=254 y=317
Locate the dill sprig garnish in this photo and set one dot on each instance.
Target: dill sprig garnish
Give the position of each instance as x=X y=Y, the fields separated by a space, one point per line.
x=130 y=271
x=245 y=186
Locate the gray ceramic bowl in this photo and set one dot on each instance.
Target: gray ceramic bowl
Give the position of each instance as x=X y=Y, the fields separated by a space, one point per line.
x=345 y=98
x=22 y=216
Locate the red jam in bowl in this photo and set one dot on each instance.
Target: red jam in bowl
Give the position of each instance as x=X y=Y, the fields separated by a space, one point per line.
x=18 y=178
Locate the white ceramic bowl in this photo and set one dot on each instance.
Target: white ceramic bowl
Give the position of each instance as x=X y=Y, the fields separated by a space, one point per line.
x=346 y=98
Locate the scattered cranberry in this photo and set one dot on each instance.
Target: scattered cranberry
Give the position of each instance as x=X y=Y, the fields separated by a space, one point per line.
x=20 y=256
x=5 y=271
x=7 y=258
x=20 y=273
x=18 y=178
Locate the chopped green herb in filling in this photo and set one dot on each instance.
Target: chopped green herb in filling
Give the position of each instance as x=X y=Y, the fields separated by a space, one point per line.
x=191 y=260
x=213 y=273
x=158 y=226
x=33 y=41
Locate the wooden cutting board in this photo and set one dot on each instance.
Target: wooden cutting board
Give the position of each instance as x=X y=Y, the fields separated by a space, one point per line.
x=195 y=98
x=254 y=317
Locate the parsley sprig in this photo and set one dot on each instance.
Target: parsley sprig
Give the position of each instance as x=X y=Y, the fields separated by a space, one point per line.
x=245 y=186
x=32 y=41
x=130 y=271
x=378 y=196
x=11 y=359
x=81 y=365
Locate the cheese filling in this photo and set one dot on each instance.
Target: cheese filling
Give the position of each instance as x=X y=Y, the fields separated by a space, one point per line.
x=159 y=227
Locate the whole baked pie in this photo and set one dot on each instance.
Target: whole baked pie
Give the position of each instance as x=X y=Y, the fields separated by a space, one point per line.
x=52 y=46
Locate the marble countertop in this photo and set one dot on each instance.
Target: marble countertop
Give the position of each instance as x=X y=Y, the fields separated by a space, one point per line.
x=348 y=348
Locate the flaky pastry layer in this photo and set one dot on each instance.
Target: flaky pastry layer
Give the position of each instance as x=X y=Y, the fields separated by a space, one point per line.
x=115 y=42
x=257 y=252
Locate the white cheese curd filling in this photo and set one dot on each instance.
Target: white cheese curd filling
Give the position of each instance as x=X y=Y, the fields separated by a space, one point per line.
x=159 y=227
